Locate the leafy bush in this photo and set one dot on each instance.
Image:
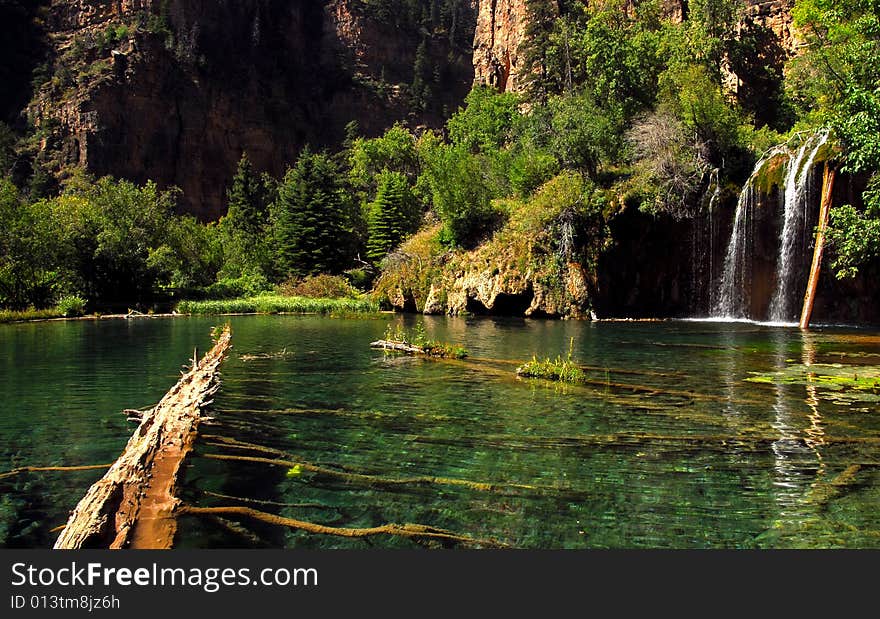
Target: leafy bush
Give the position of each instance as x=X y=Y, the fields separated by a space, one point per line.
x=249 y=284
x=71 y=305
x=460 y=190
x=486 y=122
x=319 y=287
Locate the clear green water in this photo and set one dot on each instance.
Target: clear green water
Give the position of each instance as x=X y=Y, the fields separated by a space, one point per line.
x=670 y=447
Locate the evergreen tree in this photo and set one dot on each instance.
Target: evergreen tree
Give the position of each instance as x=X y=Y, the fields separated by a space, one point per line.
x=312 y=219
x=248 y=199
x=393 y=215
x=535 y=74
x=244 y=228
x=421 y=76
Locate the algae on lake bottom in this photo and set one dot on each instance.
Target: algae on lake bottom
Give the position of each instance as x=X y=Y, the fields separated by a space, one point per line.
x=843 y=384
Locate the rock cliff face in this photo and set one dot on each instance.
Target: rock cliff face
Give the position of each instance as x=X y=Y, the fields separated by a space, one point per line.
x=176 y=90
x=501 y=26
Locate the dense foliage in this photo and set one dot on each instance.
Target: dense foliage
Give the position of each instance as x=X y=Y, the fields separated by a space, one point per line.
x=837 y=80
x=623 y=107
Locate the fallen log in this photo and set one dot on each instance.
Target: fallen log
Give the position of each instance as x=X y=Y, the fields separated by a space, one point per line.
x=398 y=346
x=134 y=504
x=819 y=248
x=436 y=350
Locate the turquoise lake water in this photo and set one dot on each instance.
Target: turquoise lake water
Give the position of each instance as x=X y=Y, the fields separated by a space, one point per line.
x=667 y=446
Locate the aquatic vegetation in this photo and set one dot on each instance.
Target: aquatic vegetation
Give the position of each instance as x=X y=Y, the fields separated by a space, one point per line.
x=560 y=369
x=841 y=383
x=275 y=304
x=71 y=305
x=29 y=314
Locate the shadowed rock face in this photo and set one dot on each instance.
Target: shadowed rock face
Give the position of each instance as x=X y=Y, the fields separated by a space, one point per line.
x=662 y=267
x=194 y=83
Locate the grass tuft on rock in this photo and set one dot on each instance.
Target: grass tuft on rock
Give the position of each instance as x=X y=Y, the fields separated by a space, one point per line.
x=561 y=369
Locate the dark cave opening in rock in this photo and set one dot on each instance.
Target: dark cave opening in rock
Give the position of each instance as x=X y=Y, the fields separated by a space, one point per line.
x=505 y=305
x=409 y=304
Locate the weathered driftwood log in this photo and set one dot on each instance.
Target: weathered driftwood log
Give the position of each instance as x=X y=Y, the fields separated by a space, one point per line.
x=398 y=346
x=133 y=504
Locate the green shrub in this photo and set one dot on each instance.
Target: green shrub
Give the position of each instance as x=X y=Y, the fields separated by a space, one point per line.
x=71 y=305
x=319 y=287
x=248 y=285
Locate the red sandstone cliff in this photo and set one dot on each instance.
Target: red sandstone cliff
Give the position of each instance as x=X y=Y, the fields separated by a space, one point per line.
x=175 y=90
x=501 y=26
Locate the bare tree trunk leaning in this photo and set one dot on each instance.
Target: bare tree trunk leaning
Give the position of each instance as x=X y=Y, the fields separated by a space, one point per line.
x=134 y=504
x=824 y=210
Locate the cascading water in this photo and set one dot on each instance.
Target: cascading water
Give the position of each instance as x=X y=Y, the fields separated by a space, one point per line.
x=796 y=194
x=733 y=297
x=702 y=248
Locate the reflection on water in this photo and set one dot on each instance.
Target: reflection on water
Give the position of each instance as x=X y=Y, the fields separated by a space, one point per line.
x=665 y=446
x=795 y=459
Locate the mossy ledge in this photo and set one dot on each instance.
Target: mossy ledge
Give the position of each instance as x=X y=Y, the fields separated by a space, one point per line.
x=524 y=268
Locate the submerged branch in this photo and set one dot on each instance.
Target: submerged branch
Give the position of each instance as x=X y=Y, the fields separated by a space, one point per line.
x=823 y=493
x=242 y=499
x=374 y=480
x=38 y=469
x=413 y=531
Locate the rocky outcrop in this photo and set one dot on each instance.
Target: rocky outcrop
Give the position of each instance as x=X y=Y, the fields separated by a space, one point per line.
x=474 y=285
x=534 y=264
x=176 y=90
x=775 y=15
x=501 y=27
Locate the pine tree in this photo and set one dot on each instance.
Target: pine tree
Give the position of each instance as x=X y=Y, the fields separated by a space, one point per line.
x=247 y=199
x=392 y=215
x=245 y=225
x=421 y=74
x=312 y=219
x=535 y=74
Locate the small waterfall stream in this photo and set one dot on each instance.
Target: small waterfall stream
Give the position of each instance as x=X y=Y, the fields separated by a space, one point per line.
x=796 y=192
x=733 y=297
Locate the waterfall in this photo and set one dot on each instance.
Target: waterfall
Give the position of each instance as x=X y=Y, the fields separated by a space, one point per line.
x=733 y=297
x=797 y=181
x=702 y=250
x=730 y=302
